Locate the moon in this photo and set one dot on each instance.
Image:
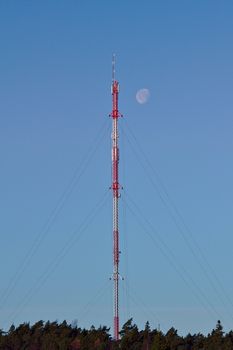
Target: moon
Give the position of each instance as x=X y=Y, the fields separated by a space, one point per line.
x=143 y=95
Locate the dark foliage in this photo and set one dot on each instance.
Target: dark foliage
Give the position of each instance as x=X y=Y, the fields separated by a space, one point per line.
x=54 y=336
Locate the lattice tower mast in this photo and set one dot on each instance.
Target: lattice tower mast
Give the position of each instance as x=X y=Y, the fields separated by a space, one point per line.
x=116 y=194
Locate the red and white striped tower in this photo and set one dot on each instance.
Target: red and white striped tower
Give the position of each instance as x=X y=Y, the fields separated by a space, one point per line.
x=116 y=194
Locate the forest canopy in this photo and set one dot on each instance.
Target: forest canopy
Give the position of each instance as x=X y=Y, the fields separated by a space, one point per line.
x=63 y=336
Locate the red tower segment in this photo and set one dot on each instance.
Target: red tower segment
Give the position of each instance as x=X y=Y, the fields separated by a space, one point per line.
x=115 y=190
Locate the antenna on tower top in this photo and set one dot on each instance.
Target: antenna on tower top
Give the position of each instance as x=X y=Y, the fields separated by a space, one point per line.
x=113 y=67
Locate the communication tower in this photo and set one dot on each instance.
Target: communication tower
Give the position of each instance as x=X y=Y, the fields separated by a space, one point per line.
x=116 y=194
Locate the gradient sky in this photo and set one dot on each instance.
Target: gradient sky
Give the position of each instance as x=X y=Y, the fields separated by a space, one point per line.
x=175 y=161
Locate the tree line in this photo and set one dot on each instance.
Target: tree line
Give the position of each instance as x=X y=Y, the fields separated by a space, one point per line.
x=54 y=336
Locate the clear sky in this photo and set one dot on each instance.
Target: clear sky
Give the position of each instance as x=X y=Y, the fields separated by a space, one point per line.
x=176 y=167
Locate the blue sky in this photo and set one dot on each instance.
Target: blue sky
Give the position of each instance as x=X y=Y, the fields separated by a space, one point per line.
x=175 y=161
